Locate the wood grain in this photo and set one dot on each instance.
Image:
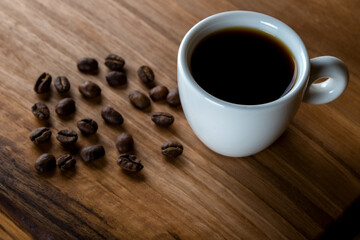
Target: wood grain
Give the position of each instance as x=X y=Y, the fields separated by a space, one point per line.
x=296 y=189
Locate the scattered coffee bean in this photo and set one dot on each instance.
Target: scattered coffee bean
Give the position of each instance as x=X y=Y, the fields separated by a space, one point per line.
x=41 y=111
x=114 y=62
x=162 y=119
x=91 y=153
x=158 y=93
x=65 y=107
x=45 y=163
x=87 y=65
x=67 y=137
x=87 y=126
x=65 y=162
x=111 y=116
x=89 y=89
x=124 y=143
x=43 y=83
x=139 y=100
x=146 y=75
x=171 y=149
x=173 y=98
x=40 y=135
x=116 y=78
x=62 y=84
x=130 y=163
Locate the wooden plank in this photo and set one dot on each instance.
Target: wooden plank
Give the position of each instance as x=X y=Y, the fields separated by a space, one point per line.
x=10 y=231
x=295 y=189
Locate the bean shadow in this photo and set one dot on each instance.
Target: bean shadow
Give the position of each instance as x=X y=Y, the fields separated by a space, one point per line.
x=178 y=162
x=73 y=149
x=45 y=96
x=65 y=95
x=48 y=174
x=43 y=147
x=146 y=110
x=44 y=123
x=93 y=73
x=96 y=100
x=170 y=129
x=120 y=87
x=133 y=176
x=93 y=138
x=159 y=102
x=98 y=163
x=67 y=118
x=177 y=108
x=116 y=127
x=68 y=174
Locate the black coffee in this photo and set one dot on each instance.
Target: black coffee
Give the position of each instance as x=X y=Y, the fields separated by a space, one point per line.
x=243 y=66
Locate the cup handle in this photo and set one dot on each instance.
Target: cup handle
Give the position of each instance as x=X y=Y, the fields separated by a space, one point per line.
x=326 y=67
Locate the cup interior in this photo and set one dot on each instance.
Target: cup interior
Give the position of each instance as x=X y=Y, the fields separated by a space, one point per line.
x=246 y=19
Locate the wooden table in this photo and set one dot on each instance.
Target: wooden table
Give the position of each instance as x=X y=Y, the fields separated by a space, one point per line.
x=296 y=189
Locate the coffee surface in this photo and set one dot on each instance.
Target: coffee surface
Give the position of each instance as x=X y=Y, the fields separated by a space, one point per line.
x=243 y=66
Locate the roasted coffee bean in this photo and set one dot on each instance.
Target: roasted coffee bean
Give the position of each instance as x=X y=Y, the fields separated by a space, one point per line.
x=130 y=163
x=43 y=83
x=88 y=65
x=146 y=75
x=65 y=162
x=162 y=119
x=40 y=135
x=171 y=149
x=91 y=153
x=173 y=98
x=111 y=116
x=89 y=89
x=139 y=100
x=45 y=163
x=62 y=84
x=124 y=143
x=116 y=78
x=65 y=107
x=67 y=137
x=114 y=62
x=41 y=111
x=87 y=126
x=158 y=93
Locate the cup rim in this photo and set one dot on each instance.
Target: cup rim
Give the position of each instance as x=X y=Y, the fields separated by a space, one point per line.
x=183 y=66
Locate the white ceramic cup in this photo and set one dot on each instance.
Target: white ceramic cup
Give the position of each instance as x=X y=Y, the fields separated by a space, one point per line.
x=240 y=130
